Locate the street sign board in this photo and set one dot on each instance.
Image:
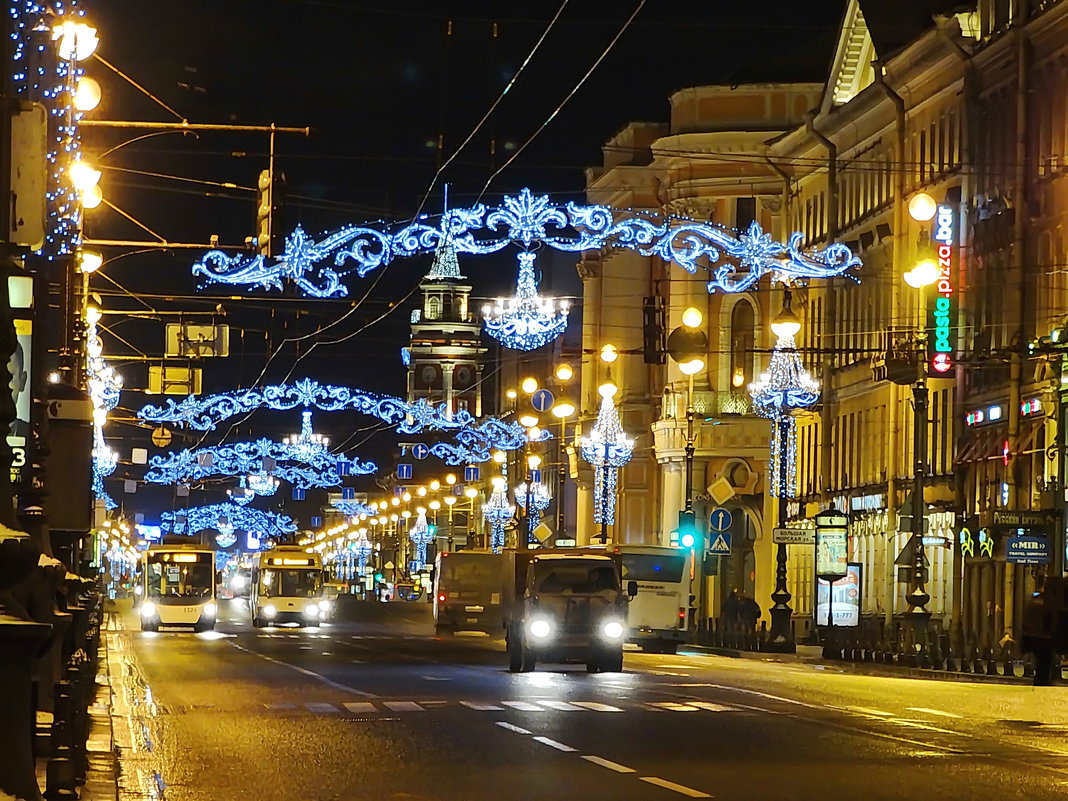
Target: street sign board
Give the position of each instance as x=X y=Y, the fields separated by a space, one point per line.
x=1027 y=550
x=793 y=536
x=542 y=400
x=161 y=437
x=404 y=471
x=720 y=519
x=420 y=451
x=471 y=473
x=721 y=544
x=1015 y=518
x=832 y=544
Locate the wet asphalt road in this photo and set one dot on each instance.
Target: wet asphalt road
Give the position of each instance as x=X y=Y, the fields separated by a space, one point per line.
x=381 y=709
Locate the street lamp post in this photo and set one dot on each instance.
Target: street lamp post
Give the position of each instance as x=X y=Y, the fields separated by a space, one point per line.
x=561 y=411
x=687 y=345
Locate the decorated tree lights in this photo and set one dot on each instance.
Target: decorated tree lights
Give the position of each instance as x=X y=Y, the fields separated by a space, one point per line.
x=783 y=390
x=537 y=495
x=606 y=449
x=421 y=535
x=526 y=320
x=497 y=512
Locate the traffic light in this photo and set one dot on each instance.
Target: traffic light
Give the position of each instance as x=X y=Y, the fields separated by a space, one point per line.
x=432 y=529
x=379 y=577
x=689 y=533
x=270 y=197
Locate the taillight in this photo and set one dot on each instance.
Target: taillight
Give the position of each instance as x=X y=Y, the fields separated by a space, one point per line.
x=441 y=598
x=682 y=617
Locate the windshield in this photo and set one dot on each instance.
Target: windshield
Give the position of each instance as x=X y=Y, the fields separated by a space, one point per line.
x=290 y=583
x=190 y=578
x=470 y=573
x=653 y=567
x=575 y=578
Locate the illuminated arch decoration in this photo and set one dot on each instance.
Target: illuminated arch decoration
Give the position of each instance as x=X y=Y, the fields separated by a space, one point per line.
x=230 y=516
x=736 y=260
x=354 y=508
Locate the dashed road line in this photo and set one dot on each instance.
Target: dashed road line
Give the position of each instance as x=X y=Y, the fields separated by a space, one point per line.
x=936 y=712
x=607 y=763
x=597 y=707
x=554 y=744
x=563 y=706
x=523 y=706
x=317 y=676
x=481 y=707
x=403 y=706
x=360 y=707
x=321 y=708
x=678 y=788
x=517 y=729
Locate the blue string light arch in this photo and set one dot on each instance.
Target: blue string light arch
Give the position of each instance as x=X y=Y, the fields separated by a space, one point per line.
x=231 y=516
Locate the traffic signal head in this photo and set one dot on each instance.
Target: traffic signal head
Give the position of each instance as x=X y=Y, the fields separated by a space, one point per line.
x=689 y=534
x=432 y=529
x=270 y=196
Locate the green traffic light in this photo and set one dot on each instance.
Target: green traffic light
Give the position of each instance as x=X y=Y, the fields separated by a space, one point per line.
x=687 y=540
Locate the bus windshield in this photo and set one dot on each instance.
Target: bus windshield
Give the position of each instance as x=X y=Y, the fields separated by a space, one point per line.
x=653 y=567
x=290 y=583
x=571 y=577
x=180 y=575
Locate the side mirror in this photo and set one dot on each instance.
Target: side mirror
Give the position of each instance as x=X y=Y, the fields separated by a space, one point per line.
x=632 y=588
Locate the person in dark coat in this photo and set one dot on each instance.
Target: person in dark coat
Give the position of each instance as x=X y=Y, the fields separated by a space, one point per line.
x=748 y=613
x=732 y=608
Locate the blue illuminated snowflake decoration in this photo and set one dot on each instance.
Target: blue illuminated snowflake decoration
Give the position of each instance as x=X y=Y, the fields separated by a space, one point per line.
x=737 y=260
x=606 y=449
x=351 y=508
x=497 y=512
x=526 y=320
x=230 y=516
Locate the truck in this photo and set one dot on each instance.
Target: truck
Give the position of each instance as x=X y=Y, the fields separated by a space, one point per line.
x=564 y=605
x=467 y=591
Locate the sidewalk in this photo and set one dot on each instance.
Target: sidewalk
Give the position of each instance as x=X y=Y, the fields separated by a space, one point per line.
x=812 y=656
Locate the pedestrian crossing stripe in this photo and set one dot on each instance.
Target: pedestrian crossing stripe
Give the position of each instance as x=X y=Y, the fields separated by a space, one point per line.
x=720 y=546
x=384 y=707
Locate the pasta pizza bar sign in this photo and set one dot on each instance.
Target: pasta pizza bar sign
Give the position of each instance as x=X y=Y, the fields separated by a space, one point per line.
x=942 y=314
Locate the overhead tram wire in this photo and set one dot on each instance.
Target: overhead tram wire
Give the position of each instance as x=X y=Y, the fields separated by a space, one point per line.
x=556 y=111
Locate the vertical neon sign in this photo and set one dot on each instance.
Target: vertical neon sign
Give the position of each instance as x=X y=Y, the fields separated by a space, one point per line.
x=941 y=318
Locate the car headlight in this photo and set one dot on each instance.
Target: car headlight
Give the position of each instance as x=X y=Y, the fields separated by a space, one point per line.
x=269 y=611
x=612 y=630
x=312 y=610
x=148 y=609
x=238 y=583
x=210 y=609
x=540 y=628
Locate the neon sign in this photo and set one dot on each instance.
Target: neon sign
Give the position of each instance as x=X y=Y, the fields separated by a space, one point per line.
x=941 y=319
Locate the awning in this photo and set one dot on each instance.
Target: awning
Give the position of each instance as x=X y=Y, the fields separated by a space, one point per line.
x=988 y=442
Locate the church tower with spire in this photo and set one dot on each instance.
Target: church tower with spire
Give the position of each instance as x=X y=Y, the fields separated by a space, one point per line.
x=445 y=351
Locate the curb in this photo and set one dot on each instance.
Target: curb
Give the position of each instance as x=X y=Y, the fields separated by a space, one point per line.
x=101 y=778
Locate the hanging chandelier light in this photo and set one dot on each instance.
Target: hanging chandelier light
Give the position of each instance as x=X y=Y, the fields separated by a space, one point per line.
x=263 y=483
x=242 y=494
x=539 y=497
x=307 y=444
x=497 y=512
x=526 y=320
x=421 y=535
x=606 y=449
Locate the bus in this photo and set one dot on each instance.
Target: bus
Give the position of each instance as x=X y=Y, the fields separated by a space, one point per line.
x=287 y=587
x=658 y=616
x=467 y=592
x=178 y=587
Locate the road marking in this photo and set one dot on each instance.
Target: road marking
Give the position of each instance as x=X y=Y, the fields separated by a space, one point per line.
x=596 y=707
x=708 y=706
x=678 y=788
x=671 y=706
x=436 y=678
x=281 y=706
x=320 y=708
x=481 y=707
x=523 y=706
x=317 y=676
x=867 y=711
x=912 y=724
x=517 y=729
x=404 y=706
x=563 y=706
x=360 y=707
x=607 y=763
x=936 y=712
x=554 y=744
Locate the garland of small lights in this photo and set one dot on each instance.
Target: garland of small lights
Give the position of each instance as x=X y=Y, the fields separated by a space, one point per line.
x=231 y=516
x=540 y=498
x=104 y=386
x=421 y=536
x=738 y=260
x=351 y=508
x=606 y=449
x=526 y=320
x=497 y=512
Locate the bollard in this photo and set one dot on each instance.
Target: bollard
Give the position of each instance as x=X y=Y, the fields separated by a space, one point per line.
x=79 y=715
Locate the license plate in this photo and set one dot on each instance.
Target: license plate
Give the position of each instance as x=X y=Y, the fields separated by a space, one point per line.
x=474 y=609
x=472 y=620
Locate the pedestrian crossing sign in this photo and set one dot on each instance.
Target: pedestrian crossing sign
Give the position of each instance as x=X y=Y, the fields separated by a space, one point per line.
x=721 y=545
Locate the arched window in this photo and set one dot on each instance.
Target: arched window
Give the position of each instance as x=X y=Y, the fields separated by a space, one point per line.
x=742 y=344
x=433 y=307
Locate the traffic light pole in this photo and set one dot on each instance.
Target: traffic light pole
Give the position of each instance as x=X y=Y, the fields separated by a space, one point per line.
x=689 y=446
x=781 y=636
x=918 y=596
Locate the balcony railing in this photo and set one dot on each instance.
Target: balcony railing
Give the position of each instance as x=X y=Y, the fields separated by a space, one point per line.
x=707 y=404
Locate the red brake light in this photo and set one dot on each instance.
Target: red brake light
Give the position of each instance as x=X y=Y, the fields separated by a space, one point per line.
x=441 y=598
x=682 y=613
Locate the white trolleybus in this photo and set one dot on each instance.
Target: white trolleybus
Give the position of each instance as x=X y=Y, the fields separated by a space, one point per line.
x=658 y=616
x=178 y=587
x=287 y=587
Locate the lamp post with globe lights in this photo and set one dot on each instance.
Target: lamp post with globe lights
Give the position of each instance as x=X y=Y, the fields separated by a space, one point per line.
x=688 y=345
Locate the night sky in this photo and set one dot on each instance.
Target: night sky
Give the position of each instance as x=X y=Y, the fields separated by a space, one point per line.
x=381 y=84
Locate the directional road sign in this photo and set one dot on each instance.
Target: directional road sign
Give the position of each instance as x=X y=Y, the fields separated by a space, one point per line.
x=542 y=400
x=420 y=451
x=720 y=520
x=471 y=473
x=793 y=536
x=721 y=544
x=404 y=471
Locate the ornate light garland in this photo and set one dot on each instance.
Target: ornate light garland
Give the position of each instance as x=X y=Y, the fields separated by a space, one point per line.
x=421 y=536
x=540 y=498
x=351 y=508
x=104 y=386
x=606 y=449
x=233 y=517
x=739 y=260
x=526 y=320
x=497 y=512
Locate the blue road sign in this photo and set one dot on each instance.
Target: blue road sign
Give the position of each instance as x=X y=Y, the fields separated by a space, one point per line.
x=721 y=543
x=1028 y=549
x=471 y=473
x=542 y=400
x=404 y=471
x=420 y=451
x=720 y=520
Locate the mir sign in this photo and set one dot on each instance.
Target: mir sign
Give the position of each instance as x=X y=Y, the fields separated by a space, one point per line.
x=942 y=315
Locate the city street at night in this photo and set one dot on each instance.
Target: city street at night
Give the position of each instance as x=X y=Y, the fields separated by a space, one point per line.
x=383 y=709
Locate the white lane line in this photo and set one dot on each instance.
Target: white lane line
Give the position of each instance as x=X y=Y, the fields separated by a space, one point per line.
x=360 y=707
x=553 y=744
x=321 y=708
x=671 y=706
x=868 y=711
x=596 y=707
x=523 y=706
x=281 y=706
x=678 y=788
x=563 y=706
x=436 y=678
x=607 y=763
x=912 y=724
x=936 y=712
x=708 y=706
x=404 y=706
x=317 y=676
x=517 y=729
x=481 y=707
